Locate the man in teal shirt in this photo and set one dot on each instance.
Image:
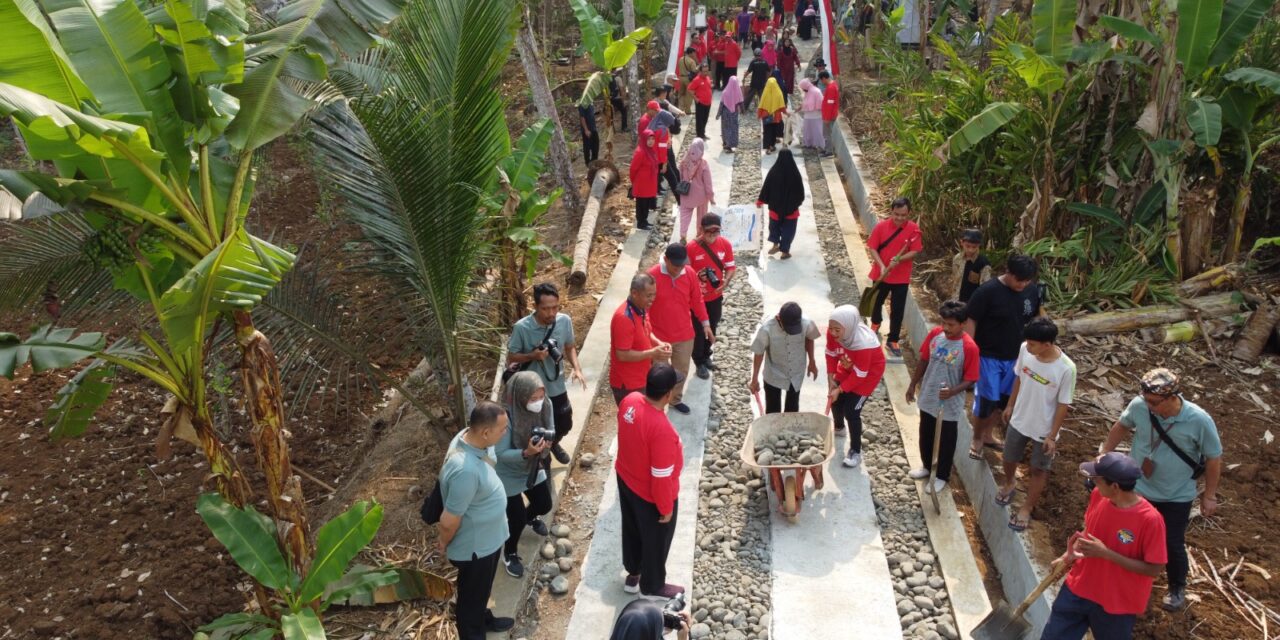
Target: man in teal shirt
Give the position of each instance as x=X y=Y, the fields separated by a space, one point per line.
x=1169 y=481
x=543 y=342
x=474 y=523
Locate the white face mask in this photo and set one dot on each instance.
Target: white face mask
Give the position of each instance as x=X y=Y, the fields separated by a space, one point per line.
x=535 y=406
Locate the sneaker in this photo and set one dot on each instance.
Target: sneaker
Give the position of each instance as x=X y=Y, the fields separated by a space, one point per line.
x=895 y=350
x=667 y=592
x=775 y=248
x=918 y=474
x=1175 y=600
x=712 y=365
x=704 y=371
x=682 y=408
x=539 y=527
x=515 y=568
x=852 y=460
x=875 y=326
x=631 y=584
x=498 y=625
x=559 y=454
x=936 y=487
x=841 y=432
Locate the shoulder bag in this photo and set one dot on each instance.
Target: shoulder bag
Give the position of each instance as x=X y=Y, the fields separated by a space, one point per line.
x=1197 y=468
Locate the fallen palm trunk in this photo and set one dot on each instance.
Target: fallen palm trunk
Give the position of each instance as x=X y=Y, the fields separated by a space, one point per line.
x=1213 y=306
x=1256 y=331
x=605 y=177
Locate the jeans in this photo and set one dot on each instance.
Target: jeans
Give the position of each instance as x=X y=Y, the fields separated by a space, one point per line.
x=519 y=516
x=701 y=112
x=782 y=232
x=897 y=307
x=1176 y=515
x=946 y=448
x=773 y=399
x=590 y=146
x=847 y=410
x=645 y=541
x=475 y=582
x=701 y=346
x=1072 y=616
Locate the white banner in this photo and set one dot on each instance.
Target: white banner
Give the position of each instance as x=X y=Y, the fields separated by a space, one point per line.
x=741 y=225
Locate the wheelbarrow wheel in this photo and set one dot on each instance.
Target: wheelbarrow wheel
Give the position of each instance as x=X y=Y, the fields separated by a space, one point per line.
x=790 y=505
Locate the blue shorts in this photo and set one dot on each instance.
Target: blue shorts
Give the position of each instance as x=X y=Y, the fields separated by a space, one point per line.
x=995 y=383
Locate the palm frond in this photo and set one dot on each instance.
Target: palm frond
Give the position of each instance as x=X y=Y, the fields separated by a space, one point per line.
x=43 y=255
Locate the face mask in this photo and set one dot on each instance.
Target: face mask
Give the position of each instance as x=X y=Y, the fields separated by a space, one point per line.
x=535 y=406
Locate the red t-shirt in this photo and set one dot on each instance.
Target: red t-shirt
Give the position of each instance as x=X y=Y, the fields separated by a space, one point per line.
x=650 y=454
x=712 y=22
x=676 y=298
x=732 y=53
x=629 y=330
x=900 y=274
x=1136 y=532
x=866 y=367
x=831 y=102
x=759 y=24
x=717 y=48
x=699 y=260
x=701 y=88
x=662 y=144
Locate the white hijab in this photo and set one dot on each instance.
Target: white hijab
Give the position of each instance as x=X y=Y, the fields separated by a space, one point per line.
x=857 y=335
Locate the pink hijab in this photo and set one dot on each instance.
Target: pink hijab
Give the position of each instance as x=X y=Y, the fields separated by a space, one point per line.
x=692 y=163
x=812 y=96
x=731 y=97
x=769 y=54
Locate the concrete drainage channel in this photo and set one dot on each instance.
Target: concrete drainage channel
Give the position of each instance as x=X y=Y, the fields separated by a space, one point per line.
x=1019 y=573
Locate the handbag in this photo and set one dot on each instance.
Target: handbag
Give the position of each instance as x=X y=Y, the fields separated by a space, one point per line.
x=433 y=506
x=682 y=188
x=1197 y=468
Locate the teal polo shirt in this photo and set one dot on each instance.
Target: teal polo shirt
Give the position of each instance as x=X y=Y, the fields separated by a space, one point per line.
x=527 y=335
x=1193 y=431
x=471 y=489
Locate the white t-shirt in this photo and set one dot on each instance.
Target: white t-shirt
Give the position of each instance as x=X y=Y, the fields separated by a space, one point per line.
x=1041 y=387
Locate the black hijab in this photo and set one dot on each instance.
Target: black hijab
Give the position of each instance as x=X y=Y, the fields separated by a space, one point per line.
x=639 y=620
x=783 y=188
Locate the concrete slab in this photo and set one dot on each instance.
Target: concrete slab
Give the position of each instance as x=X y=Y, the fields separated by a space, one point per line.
x=833 y=553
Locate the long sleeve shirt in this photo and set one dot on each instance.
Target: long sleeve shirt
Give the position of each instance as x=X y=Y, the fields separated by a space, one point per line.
x=856 y=371
x=678 y=295
x=650 y=454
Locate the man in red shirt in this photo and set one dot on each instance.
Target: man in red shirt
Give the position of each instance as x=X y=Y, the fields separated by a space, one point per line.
x=633 y=346
x=830 y=110
x=1114 y=560
x=718 y=42
x=894 y=243
x=732 y=54
x=650 y=458
x=650 y=110
x=710 y=253
x=679 y=294
x=700 y=87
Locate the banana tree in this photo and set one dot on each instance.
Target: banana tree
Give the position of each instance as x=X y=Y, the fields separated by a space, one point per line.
x=1248 y=107
x=522 y=210
x=607 y=55
x=151 y=119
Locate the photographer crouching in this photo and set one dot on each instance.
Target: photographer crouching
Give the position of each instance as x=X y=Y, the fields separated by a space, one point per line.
x=520 y=463
x=542 y=342
x=645 y=620
x=711 y=257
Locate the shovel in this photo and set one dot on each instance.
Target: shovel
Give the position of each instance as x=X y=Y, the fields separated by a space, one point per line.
x=1008 y=624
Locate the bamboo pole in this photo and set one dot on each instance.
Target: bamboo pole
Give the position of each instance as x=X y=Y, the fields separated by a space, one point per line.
x=605 y=177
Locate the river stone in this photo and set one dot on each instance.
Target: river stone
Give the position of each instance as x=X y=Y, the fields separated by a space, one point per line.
x=560 y=530
x=565 y=564
x=700 y=630
x=586 y=460
x=559 y=585
x=563 y=547
x=905 y=607
x=549 y=551
x=923 y=602
x=948 y=631
x=917 y=579
x=548 y=571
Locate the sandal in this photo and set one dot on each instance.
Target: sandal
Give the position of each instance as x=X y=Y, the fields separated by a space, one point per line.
x=995 y=446
x=1003 y=498
x=975 y=454
x=1018 y=523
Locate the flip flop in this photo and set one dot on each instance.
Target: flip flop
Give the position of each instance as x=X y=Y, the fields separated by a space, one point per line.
x=1003 y=499
x=975 y=453
x=1018 y=524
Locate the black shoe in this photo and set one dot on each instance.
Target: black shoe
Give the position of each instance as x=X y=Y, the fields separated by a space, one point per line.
x=515 y=568
x=643 y=226
x=559 y=454
x=539 y=527
x=703 y=371
x=682 y=408
x=498 y=625
x=710 y=364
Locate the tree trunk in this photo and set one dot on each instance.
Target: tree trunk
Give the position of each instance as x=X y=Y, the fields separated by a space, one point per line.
x=1214 y=306
x=605 y=177
x=1197 y=223
x=1207 y=281
x=546 y=104
x=1256 y=331
x=993 y=7
x=634 y=92
x=260 y=377
x=1239 y=209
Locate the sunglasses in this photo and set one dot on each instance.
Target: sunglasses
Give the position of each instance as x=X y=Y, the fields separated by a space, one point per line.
x=711 y=229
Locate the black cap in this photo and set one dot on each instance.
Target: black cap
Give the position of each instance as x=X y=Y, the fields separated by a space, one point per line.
x=1114 y=467
x=819 y=63
x=790 y=316
x=677 y=254
x=711 y=220
x=662 y=379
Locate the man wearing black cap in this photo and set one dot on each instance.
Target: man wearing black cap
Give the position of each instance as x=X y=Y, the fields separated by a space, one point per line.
x=1114 y=560
x=758 y=71
x=679 y=294
x=650 y=457
x=784 y=346
x=711 y=257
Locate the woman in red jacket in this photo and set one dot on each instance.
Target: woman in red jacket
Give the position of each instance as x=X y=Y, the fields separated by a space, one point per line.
x=788 y=63
x=644 y=177
x=855 y=365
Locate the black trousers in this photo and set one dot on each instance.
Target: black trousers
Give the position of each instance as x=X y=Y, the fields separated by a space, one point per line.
x=590 y=146
x=519 y=516
x=619 y=393
x=700 y=114
x=645 y=541
x=772 y=134
x=562 y=414
x=847 y=410
x=1176 y=516
x=946 y=448
x=701 y=346
x=672 y=174
x=752 y=93
x=643 y=207
x=716 y=66
x=620 y=107
x=897 y=307
x=475 y=582
x=726 y=71
x=773 y=399
x=783 y=232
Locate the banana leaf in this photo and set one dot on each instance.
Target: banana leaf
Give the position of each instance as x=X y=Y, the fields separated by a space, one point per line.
x=1198 y=22
x=1239 y=19
x=412 y=584
x=337 y=543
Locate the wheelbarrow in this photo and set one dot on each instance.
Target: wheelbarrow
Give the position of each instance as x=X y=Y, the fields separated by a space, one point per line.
x=788 y=480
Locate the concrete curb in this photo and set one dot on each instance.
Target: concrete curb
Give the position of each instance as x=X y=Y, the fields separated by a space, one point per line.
x=1019 y=573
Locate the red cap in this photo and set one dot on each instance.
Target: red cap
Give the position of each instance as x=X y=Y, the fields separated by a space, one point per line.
x=653 y=104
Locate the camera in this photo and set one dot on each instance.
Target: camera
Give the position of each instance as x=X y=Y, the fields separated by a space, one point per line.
x=553 y=349
x=671 y=612
x=540 y=434
x=710 y=276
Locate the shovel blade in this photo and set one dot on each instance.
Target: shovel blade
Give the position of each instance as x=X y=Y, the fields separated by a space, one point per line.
x=1001 y=624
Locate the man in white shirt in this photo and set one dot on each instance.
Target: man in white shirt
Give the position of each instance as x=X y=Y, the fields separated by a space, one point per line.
x=1038 y=406
x=784 y=346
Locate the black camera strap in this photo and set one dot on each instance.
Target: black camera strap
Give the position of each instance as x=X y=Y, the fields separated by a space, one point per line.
x=544 y=344
x=1197 y=468
x=711 y=254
